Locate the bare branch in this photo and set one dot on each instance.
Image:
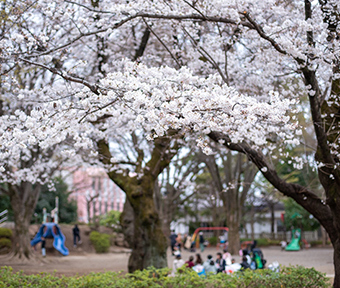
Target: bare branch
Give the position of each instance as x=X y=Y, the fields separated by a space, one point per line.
x=93 y=87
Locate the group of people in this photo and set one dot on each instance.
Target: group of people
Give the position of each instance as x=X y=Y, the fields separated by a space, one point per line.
x=250 y=259
x=223 y=263
x=178 y=242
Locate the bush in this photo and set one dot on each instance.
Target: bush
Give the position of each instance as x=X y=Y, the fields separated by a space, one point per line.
x=289 y=277
x=213 y=241
x=263 y=242
x=5 y=233
x=100 y=241
x=5 y=243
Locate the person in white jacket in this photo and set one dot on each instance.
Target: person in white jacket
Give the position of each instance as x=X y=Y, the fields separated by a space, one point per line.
x=178 y=263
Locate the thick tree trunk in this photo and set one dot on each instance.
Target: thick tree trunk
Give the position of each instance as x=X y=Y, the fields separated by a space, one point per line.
x=23 y=201
x=148 y=243
x=233 y=235
x=336 y=259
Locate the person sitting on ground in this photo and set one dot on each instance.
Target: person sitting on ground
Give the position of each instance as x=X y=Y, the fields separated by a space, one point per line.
x=199 y=268
x=233 y=261
x=283 y=245
x=190 y=263
x=226 y=256
x=209 y=266
x=178 y=263
x=198 y=259
x=220 y=263
x=244 y=263
x=176 y=251
x=245 y=253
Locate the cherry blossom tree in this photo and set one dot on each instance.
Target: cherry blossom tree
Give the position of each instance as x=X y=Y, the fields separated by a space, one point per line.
x=227 y=70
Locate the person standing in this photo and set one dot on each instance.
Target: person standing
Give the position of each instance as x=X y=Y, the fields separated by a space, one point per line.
x=201 y=239
x=173 y=238
x=179 y=241
x=76 y=235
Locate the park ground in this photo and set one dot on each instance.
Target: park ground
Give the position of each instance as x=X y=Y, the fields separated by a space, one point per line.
x=83 y=259
x=83 y=263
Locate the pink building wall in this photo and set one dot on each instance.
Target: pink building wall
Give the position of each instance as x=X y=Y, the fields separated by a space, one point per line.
x=92 y=185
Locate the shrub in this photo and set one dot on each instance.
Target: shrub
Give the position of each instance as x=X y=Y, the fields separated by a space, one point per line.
x=213 y=241
x=5 y=233
x=100 y=241
x=5 y=243
x=263 y=242
x=289 y=277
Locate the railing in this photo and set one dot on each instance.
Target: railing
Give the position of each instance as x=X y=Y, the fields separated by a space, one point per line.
x=3 y=216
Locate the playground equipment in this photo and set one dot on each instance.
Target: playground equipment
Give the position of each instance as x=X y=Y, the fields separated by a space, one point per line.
x=204 y=229
x=3 y=216
x=51 y=230
x=294 y=243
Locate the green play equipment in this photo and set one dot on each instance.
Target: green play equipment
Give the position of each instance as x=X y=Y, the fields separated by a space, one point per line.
x=296 y=237
x=294 y=243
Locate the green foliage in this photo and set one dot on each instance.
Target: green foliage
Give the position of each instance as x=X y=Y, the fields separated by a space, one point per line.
x=67 y=207
x=111 y=219
x=5 y=243
x=6 y=233
x=263 y=242
x=213 y=241
x=5 y=204
x=298 y=217
x=100 y=241
x=289 y=277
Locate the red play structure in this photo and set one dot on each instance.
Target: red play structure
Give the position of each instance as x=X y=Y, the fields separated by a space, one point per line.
x=204 y=229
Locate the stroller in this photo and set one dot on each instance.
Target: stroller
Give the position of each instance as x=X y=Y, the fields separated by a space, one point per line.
x=258 y=262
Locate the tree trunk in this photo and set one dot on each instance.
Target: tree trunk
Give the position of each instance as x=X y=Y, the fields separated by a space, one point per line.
x=323 y=236
x=252 y=222
x=336 y=259
x=272 y=220
x=23 y=201
x=149 y=243
x=233 y=236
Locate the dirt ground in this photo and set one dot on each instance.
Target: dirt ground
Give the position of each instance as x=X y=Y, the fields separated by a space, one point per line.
x=83 y=259
x=82 y=263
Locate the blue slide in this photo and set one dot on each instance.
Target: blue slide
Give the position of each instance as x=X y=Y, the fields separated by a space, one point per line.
x=51 y=230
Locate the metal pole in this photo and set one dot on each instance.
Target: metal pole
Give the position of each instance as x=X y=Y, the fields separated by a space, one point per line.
x=56 y=216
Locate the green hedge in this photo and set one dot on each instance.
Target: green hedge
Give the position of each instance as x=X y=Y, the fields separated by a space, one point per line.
x=213 y=241
x=261 y=242
x=289 y=277
x=5 y=233
x=100 y=241
x=5 y=243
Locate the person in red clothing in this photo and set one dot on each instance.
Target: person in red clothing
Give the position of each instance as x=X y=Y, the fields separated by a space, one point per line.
x=190 y=263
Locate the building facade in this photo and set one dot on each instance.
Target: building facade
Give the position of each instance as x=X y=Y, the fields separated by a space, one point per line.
x=95 y=193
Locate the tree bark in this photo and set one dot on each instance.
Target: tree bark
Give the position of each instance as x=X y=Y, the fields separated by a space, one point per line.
x=149 y=244
x=23 y=200
x=233 y=235
x=147 y=240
